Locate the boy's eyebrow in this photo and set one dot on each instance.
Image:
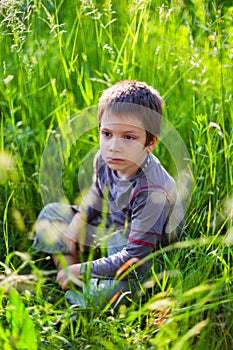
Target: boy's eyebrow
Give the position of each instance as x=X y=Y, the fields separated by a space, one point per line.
x=124 y=131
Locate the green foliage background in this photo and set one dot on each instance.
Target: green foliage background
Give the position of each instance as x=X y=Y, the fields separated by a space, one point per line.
x=56 y=59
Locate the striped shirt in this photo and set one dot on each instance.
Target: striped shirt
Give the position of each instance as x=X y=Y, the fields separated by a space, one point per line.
x=146 y=208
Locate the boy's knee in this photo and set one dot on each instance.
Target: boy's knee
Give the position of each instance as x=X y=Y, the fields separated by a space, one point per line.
x=47 y=210
x=56 y=211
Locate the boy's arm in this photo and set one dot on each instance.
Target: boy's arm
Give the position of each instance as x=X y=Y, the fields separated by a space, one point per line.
x=91 y=207
x=73 y=235
x=92 y=201
x=149 y=217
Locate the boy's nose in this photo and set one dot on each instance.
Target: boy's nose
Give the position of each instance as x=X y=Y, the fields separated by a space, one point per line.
x=115 y=144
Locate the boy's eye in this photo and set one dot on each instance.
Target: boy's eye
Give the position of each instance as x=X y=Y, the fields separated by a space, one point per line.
x=106 y=133
x=129 y=137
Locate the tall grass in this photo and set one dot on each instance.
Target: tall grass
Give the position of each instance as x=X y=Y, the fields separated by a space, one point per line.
x=56 y=58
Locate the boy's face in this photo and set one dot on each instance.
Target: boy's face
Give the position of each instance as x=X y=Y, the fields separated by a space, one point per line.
x=122 y=143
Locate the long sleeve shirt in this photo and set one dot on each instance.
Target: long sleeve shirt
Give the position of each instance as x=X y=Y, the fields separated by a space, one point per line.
x=146 y=208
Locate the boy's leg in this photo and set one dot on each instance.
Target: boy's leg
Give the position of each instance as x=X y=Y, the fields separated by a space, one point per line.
x=52 y=222
x=101 y=292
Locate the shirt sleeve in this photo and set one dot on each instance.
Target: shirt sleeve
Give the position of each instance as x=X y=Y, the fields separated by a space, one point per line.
x=92 y=202
x=149 y=215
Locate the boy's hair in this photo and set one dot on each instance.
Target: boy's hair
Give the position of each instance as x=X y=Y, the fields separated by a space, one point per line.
x=135 y=98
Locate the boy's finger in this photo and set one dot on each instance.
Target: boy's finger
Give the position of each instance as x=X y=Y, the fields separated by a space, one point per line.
x=65 y=285
x=63 y=280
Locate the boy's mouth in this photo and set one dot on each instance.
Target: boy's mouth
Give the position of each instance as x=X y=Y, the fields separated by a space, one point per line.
x=115 y=160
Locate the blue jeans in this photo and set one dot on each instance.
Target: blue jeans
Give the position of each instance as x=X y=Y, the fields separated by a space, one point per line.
x=51 y=223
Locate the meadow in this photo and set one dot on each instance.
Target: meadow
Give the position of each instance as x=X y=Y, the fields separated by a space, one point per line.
x=57 y=56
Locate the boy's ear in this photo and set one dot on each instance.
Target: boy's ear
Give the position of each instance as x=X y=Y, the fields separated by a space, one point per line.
x=151 y=146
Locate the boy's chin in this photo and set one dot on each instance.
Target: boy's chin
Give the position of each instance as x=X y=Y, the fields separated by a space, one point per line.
x=115 y=167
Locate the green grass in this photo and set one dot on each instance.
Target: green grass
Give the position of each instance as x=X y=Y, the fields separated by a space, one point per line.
x=56 y=59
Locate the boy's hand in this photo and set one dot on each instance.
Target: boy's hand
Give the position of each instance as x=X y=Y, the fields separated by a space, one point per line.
x=69 y=275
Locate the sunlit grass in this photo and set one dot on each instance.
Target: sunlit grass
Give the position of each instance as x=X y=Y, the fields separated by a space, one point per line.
x=56 y=58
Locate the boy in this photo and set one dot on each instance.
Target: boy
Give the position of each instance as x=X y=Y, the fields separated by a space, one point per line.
x=140 y=196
